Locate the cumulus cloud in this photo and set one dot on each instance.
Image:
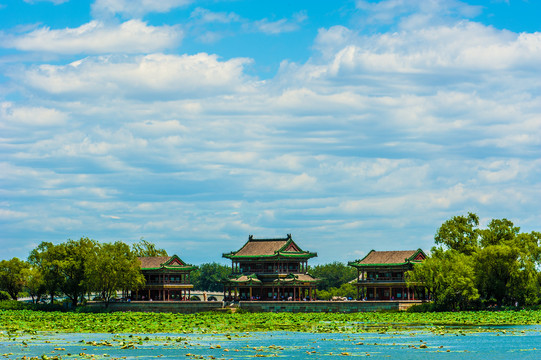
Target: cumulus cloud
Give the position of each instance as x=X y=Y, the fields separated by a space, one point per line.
x=95 y=37
x=134 y=8
x=169 y=76
x=30 y=116
x=386 y=134
x=465 y=46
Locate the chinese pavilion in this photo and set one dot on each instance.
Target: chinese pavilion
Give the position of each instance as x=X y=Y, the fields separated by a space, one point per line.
x=270 y=269
x=380 y=274
x=167 y=279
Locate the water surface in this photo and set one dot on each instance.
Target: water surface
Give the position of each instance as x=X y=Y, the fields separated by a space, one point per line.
x=517 y=342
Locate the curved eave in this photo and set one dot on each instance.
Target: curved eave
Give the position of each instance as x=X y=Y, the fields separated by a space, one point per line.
x=355 y=264
x=294 y=281
x=281 y=255
x=177 y=268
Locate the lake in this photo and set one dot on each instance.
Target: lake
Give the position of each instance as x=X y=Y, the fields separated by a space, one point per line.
x=505 y=342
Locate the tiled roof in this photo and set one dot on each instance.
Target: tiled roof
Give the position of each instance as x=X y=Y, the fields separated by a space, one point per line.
x=245 y=278
x=389 y=257
x=153 y=261
x=162 y=262
x=261 y=247
x=281 y=247
x=296 y=278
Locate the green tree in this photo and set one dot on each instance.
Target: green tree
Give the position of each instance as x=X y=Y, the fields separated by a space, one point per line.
x=11 y=276
x=63 y=266
x=73 y=261
x=503 y=276
x=144 y=249
x=45 y=258
x=34 y=283
x=210 y=276
x=448 y=276
x=346 y=290
x=114 y=267
x=333 y=275
x=460 y=233
x=507 y=262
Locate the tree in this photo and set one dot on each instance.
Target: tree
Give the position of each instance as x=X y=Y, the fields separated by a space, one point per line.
x=448 y=276
x=114 y=267
x=73 y=261
x=346 y=290
x=506 y=262
x=333 y=275
x=44 y=258
x=63 y=266
x=34 y=283
x=499 y=232
x=144 y=248
x=460 y=233
x=210 y=276
x=503 y=276
x=11 y=276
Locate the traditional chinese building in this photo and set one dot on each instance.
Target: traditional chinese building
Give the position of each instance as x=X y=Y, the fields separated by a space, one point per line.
x=167 y=279
x=380 y=274
x=270 y=269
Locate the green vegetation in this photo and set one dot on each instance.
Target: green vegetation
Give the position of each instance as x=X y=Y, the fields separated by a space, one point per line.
x=209 y=276
x=334 y=280
x=24 y=320
x=144 y=248
x=478 y=268
x=332 y=275
x=11 y=276
x=76 y=268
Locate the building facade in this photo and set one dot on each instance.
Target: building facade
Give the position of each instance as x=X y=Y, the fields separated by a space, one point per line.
x=167 y=279
x=381 y=275
x=270 y=269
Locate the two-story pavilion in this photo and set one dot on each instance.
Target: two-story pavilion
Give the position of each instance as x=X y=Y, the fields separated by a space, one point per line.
x=270 y=269
x=381 y=274
x=167 y=279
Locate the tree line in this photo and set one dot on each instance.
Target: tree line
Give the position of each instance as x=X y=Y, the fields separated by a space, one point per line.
x=473 y=267
x=469 y=267
x=76 y=268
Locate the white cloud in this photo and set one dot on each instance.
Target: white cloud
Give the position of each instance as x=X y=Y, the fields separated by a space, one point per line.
x=135 y=8
x=207 y=16
x=384 y=135
x=168 y=76
x=415 y=13
x=275 y=27
x=30 y=116
x=463 y=47
x=95 y=37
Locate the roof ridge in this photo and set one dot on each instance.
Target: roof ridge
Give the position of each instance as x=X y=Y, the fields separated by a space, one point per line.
x=251 y=238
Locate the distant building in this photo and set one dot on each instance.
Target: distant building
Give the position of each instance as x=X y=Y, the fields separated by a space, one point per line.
x=167 y=279
x=380 y=274
x=270 y=269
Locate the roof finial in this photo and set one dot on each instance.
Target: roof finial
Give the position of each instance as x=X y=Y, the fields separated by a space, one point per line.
x=250 y=237
x=289 y=236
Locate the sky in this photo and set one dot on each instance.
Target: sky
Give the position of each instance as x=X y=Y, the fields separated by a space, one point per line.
x=352 y=125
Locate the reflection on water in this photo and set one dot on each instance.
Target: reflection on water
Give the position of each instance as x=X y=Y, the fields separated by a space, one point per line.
x=522 y=342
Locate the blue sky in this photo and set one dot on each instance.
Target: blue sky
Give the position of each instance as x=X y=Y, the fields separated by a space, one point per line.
x=352 y=125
